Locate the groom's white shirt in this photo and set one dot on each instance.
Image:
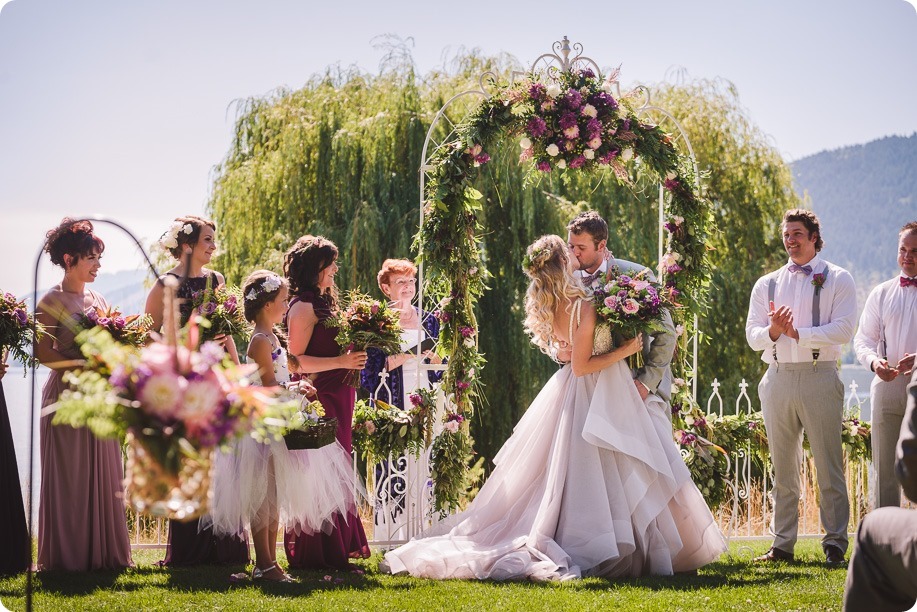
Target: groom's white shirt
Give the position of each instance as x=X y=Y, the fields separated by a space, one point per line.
x=658 y=347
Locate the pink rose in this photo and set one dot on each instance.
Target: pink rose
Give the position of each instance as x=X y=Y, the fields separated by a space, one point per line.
x=370 y=427
x=611 y=301
x=641 y=285
x=631 y=306
x=451 y=426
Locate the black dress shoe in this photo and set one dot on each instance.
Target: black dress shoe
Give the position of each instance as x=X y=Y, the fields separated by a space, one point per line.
x=774 y=554
x=834 y=556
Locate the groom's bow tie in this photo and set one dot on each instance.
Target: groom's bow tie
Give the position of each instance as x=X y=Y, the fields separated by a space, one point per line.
x=588 y=279
x=806 y=269
x=907 y=282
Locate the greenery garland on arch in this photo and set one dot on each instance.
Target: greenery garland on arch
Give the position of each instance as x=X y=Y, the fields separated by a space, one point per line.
x=572 y=123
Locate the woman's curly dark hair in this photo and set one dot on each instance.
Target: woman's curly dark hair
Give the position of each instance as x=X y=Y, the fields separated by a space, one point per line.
x=74 y=238
x=303 y=264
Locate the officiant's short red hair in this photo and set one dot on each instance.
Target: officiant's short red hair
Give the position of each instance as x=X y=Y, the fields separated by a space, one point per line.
x=394 y=267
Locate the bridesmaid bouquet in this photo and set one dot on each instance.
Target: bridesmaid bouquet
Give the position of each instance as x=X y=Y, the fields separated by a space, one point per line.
x=363 y=323
x=175 y=404
x=132 y=329
x=218 y=312
x=16 y=329
x=630 y=305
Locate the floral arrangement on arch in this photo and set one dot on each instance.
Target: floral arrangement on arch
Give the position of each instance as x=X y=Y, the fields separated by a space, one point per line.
x=380 y=429
x=16 y=329
x=576 y=113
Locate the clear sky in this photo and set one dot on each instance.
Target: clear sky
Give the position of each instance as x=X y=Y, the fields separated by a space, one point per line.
x=122 y=107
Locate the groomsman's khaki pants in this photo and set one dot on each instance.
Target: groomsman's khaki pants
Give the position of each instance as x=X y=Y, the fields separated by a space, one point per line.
x=889 y=400
x=797 y=397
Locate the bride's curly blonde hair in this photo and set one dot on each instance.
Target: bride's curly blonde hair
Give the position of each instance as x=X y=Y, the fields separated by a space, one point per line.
x=553 y=284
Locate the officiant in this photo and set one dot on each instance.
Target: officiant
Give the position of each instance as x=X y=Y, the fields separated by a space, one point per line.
x=398 y=282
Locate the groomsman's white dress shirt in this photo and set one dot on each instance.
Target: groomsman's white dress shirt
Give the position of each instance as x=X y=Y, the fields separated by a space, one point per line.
x=889 y=318
x=837 y=305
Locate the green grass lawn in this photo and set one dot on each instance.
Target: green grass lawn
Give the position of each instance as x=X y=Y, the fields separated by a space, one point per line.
x=731 y=584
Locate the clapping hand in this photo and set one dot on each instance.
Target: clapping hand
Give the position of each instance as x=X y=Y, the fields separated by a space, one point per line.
x=781 y=322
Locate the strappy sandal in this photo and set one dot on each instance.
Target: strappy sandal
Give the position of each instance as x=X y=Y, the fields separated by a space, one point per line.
x=262 y=574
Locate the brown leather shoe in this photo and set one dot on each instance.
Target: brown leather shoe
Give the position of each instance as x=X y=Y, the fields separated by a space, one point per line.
x=773 y=555
x=834 y=556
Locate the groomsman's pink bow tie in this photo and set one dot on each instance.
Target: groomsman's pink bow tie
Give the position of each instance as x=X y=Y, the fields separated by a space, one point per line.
x=907 y=282
x=806 y=269
x=588 y=279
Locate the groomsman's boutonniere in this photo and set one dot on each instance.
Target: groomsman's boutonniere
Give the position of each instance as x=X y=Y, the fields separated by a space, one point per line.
x=818 y=280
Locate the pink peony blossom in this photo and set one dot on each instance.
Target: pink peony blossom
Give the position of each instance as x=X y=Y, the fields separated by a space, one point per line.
x=201 y=402
x=630 y=306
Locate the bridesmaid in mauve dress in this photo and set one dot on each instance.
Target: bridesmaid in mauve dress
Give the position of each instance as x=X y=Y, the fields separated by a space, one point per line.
x=310 y=266
x=14 y=532
x=194 y=236
x=81 y=521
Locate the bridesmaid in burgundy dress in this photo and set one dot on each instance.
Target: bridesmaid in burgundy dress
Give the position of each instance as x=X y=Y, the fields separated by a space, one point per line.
x=310 y=266
x=81 y=521
x=191 y=240
x=14 y=533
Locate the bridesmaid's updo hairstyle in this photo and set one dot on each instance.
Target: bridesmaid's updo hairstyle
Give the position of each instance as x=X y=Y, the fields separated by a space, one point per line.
x=303 y=264
x=261 y=287
x=552 y=285
x=74 y=238
x=184 y=230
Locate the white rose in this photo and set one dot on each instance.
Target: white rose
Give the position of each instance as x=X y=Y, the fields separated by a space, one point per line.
x=678 y=220
x=525 y=143
x=689 y=420
x=562 y=164
x=187 y=229
x=589 y=111
x=169 y=242
x=676 y=256
x=552 y=150
x=451 y=426
x=627 y=154
x=670 y=176
x=589 y=154
x=469 y=342
x=679 y=330
x=553 y=90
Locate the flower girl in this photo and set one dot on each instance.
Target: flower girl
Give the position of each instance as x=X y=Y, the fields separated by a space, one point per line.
x=260 y=485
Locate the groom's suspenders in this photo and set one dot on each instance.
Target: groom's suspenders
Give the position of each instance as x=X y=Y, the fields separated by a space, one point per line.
x=816 y=312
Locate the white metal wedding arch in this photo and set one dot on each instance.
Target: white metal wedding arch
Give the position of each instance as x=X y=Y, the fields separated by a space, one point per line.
x=401 y=492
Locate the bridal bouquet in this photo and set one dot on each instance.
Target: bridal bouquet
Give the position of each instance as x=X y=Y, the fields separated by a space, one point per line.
x=631 y=305
x=363 y=323
x=131 y=329
x=218 y=312
x=175 y=404
x=16 y=336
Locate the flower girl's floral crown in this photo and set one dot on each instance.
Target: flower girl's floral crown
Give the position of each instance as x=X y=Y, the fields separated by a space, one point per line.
x=169 y=239
x=269 y=285
x=536 y=259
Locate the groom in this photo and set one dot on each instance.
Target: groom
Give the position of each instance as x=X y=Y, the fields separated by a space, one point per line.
x=587 y=237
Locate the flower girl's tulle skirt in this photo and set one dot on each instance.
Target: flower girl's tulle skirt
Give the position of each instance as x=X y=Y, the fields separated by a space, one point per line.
x=254 y=482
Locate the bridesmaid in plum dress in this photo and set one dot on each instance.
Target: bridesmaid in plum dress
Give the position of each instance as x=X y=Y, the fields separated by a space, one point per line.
x=191 y=241
x=310 y=266
x=14 y=533
x=81 y=521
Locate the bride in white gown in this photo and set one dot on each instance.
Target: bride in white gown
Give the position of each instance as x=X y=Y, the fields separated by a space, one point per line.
x=591 y=481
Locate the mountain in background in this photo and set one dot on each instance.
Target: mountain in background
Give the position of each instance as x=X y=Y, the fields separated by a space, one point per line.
x=863 y=194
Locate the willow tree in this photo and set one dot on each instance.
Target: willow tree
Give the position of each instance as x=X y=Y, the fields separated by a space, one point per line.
x=340 y=157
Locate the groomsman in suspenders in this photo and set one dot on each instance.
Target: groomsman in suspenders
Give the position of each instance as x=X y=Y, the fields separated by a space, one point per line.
x=587 y=238
x=799 y=317
x=885 y=343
